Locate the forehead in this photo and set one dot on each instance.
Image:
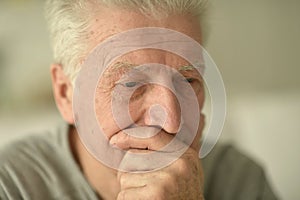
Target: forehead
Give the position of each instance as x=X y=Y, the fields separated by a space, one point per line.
x=110 y=21
x=150 y=57
x=143 y=56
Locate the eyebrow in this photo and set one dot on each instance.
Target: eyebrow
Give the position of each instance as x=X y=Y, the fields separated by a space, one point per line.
x=191 y=67
x=186 y=68
x=117 y=66
x=130 y=65
x=123 y=64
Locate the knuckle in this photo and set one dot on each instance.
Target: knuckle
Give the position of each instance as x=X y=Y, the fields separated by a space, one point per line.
x=170 y=184
x=183 y=166
x=158 y=193
x=122 y=180
x=121 y=195
x=169 y=178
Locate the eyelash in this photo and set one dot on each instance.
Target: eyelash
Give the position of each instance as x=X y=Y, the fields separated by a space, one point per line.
x=132 y=84
x=189 y=80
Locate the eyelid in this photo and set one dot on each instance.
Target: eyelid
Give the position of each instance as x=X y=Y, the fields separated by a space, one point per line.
x=130 y=84
x=123 y=82
x=186 y=75
x=194 y=76
x=189 y=79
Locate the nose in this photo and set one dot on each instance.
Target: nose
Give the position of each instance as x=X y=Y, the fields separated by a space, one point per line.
x=163 y=109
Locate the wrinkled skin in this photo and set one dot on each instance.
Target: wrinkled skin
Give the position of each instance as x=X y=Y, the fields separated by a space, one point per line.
x=183 y=179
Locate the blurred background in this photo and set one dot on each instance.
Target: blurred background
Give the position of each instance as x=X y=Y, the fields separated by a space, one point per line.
x=255 y=44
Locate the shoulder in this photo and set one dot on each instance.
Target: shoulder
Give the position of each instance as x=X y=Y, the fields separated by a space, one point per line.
x=27 y=149
x=231 y=174
x=30 y=149
x=227 y=157
x=39 y=166
x=24 y=163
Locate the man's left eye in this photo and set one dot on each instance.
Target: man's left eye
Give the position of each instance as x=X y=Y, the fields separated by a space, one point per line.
x=189 y=80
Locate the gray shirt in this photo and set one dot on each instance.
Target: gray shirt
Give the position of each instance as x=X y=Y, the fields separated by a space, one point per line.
x=42 y=167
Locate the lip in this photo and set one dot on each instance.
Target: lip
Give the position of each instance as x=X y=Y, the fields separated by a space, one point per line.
x=136 y=139
x=142 y=132
x=140 y=151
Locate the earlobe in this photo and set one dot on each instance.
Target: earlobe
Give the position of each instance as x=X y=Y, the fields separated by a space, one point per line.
x=63 y=92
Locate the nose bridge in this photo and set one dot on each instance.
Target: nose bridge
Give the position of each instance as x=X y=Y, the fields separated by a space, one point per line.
x=166 y=99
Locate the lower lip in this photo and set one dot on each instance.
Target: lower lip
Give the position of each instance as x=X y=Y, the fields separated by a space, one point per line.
x=133 y=150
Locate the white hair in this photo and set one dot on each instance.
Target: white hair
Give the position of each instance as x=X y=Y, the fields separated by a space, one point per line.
x=69 y=22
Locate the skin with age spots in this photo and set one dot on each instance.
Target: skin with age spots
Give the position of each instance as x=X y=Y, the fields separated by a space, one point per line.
x=111 y=79
x=183 y=179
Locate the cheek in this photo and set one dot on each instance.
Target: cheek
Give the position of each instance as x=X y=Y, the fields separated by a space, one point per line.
x=126 y=113
x=102 y=106
x=104 y=114
x=137 y=103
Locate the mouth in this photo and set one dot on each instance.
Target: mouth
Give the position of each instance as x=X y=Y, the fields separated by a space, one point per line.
x=142 y=132
x=140 y=150
x=141 y=139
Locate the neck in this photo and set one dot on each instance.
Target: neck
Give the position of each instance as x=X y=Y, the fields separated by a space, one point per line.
x=101 y=178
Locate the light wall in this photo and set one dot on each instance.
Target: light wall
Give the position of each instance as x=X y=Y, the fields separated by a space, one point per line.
x=256 y=46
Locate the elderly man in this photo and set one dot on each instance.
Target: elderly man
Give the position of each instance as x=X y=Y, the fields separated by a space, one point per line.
x=63 y=164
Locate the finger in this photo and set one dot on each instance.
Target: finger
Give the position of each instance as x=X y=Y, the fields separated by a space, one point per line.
x=158 y=187
x=135 y=194
x=139 y=179
x=152 y=160
x=132 y=180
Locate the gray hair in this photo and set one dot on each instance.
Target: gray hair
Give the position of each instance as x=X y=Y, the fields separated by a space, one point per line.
x=69 y=22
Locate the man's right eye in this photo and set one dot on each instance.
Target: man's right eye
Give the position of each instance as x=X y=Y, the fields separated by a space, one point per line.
x=130 y=84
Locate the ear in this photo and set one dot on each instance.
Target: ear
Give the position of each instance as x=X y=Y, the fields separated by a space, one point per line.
x=63 y=92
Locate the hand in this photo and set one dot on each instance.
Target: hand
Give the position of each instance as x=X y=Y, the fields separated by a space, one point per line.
x=181 y=180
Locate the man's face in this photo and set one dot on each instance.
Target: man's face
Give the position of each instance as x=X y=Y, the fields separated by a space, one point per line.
x=125 y=77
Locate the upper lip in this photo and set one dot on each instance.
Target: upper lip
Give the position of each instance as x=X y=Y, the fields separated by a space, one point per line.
x=138 y=137
x=146 y=140
x=142 y=132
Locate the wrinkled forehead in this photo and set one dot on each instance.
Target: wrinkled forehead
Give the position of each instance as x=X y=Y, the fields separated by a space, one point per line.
x=110 y=21
x=146 y=58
